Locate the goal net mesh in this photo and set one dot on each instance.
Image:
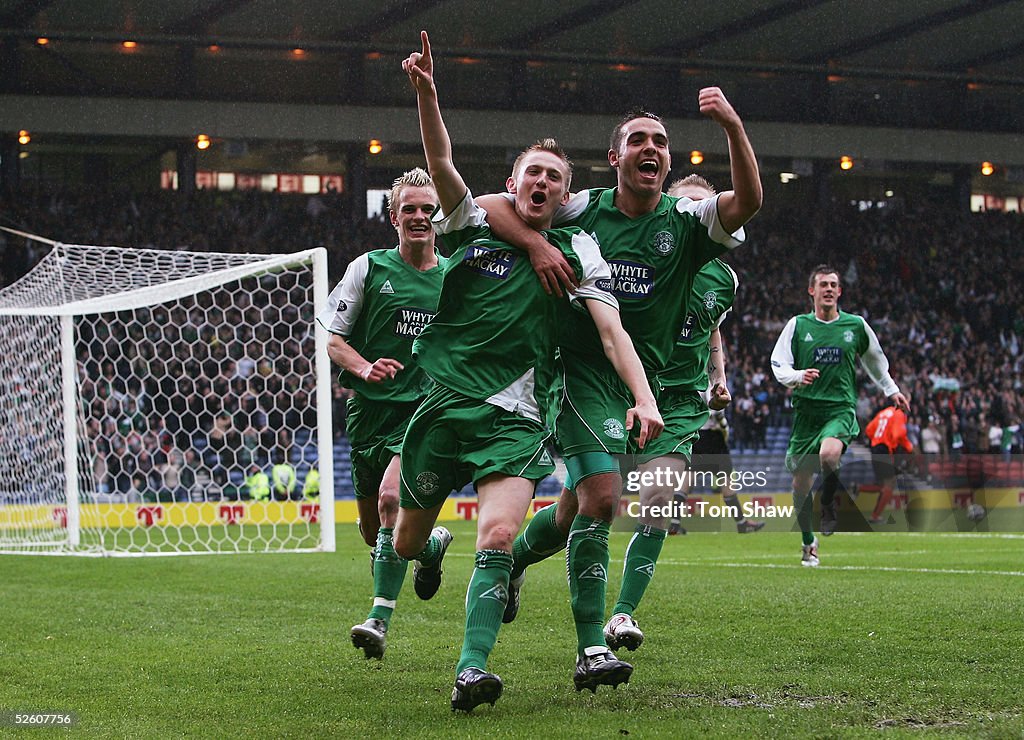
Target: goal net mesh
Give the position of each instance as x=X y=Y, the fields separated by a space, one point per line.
x=186 y=377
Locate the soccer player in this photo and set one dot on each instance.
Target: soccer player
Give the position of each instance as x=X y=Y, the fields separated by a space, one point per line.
x=383 y=302
x=684 y=380
x=816 y=355
x=888 y=435
x=655 y=244
x=700 y=343
x=491 y=351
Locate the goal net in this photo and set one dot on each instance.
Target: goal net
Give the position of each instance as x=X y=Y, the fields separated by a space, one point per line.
x=152 y=399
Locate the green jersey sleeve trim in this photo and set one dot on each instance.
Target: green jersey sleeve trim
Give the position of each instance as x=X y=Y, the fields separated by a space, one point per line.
x=345 y=302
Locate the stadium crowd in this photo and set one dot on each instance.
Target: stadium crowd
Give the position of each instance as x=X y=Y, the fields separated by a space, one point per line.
x=934 y=282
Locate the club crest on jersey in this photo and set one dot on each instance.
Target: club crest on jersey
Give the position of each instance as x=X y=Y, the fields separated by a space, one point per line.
x=613 y=428
x=427 y=483
x=848 y=336
x=342 y=306
x=409 y=322
x=491 y=263
x=664 y=243
x=630 y=280
x=710 y=299
x=828 y=355
x=386 y=288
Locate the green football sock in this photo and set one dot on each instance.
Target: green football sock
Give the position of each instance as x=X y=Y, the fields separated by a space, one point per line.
x=540 y=540
x=804 y=515
x=485 y=603
x=430 y=552
x=641 y=557
x=829 y=486
x=587 y=566
x=733 y=500
x=388 y=575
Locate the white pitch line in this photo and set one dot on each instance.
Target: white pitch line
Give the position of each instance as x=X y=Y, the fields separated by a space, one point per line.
x=789 y=566
x=890 y=569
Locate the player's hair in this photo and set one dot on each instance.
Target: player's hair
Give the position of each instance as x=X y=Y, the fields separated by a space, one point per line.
x=616 y=138
x=544 y=145
x=416 y=178
x=823 y=269
x=693 y=180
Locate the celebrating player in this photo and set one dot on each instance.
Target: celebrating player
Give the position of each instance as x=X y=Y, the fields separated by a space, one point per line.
x=700 y=343
x=491 y=350
x=384 y=300
x=816 y=356
x=655 y=244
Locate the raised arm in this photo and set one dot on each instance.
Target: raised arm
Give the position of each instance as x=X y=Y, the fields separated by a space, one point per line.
x=437 y=147
x=736 y=206
x=618 y=347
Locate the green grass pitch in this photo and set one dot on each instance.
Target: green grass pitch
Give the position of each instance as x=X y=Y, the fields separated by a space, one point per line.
x=899 y=635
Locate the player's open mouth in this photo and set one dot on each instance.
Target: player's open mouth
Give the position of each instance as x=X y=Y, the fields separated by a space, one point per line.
x=419 y=229
x=648 y=167
x=538 y=198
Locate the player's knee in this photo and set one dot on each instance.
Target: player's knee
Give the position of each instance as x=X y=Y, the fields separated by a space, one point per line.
x=656 y=496
x=498 y=536
x=387 y=503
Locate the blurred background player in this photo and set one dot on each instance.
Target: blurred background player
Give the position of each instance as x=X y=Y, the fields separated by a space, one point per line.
x=381 y=304
x=888 y=434
x=699 y=348
x=655 y=244
x=491 y=351
x=816 y=355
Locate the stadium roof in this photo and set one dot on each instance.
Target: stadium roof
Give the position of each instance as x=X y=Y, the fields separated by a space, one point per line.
x=943 y=64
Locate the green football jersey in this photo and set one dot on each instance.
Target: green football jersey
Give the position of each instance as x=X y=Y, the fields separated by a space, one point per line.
x=653 y=259
x=494 y=335
x=832 y=348
x=380 y=306
x=714 y=290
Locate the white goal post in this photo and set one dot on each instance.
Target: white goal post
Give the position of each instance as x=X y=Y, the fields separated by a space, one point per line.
x=165 y=402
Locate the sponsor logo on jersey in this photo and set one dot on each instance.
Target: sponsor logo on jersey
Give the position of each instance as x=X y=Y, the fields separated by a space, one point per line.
x=613 y=428
x=630 y=280
x=710 y=299
x=664 y=243
x=409 y=321
x=491 y=263
x=828 y=355
x=496 y=592
x=427 y=483
x=808 y=337
x=848 y=336
x=386 y=288
x=596 y=572
x=687 y=331
x=647 y=570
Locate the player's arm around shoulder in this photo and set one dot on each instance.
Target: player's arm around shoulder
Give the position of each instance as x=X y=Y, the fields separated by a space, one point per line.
x=619 y=350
